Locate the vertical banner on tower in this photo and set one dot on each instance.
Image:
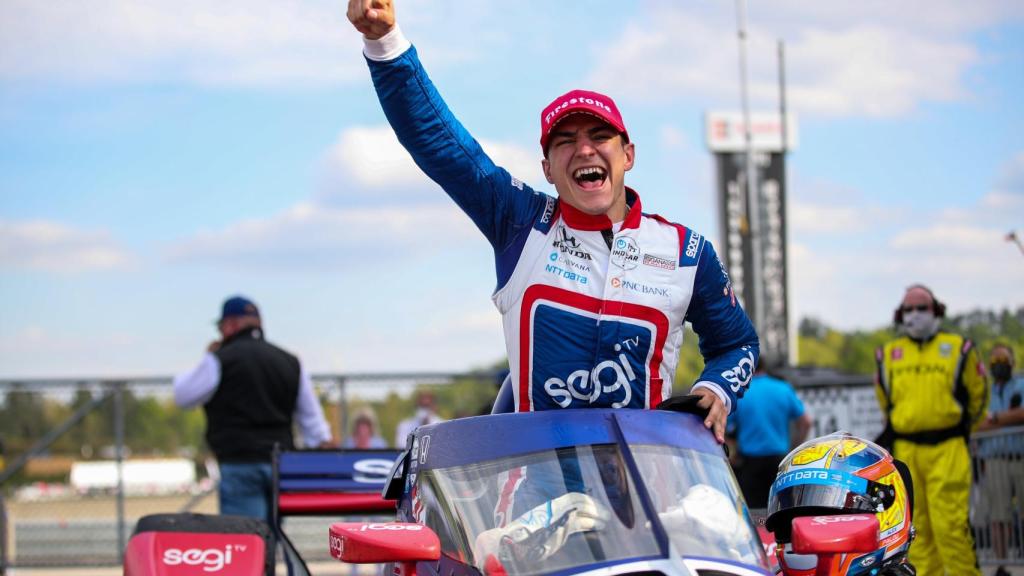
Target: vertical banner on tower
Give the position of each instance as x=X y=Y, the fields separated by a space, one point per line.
x=726 y=138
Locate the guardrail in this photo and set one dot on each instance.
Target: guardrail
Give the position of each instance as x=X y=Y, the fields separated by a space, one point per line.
x=997 y=497
x=92 y=529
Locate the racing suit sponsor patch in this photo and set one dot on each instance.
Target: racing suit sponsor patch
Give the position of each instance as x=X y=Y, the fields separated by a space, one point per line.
x=659 y=262
x=625 y=253
x=575 y=357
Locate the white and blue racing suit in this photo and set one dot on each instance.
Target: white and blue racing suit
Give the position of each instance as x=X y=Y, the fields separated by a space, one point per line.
x=593 y=312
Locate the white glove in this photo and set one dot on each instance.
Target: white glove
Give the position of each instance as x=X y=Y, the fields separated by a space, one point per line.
x=557 y=519
x=705 y=516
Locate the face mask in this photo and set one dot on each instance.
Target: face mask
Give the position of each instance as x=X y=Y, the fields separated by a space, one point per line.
x=422 y=413
x=920 y=325
x=1001 y=371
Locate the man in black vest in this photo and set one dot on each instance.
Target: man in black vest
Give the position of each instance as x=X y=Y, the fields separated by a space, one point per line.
x=251 y=391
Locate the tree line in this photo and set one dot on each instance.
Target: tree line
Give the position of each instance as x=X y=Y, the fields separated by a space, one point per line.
x=155 y=427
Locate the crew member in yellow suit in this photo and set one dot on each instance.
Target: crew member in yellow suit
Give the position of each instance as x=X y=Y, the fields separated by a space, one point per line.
x=931 y=384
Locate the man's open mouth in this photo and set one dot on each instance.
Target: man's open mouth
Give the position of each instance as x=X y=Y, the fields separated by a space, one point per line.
x=590 y=177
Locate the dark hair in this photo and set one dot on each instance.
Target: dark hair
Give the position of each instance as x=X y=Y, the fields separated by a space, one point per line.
x=938 y=308
x=1005 y=346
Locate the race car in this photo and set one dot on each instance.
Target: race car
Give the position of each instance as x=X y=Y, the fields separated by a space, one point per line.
x=566 y=492
x=591 y=491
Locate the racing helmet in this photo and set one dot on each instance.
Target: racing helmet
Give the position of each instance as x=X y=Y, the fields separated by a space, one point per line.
x=842 y=474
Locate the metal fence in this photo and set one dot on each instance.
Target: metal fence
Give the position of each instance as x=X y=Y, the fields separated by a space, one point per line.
x=53 y=524
x=997 y=498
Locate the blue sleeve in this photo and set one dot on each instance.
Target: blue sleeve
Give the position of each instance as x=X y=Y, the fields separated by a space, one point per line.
x=727 y=339
x=501 y=206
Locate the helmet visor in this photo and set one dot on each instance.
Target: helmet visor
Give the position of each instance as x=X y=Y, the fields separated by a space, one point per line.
x=819 y=488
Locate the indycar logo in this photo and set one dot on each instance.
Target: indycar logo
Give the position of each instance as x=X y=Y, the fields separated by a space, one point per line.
x=211 y=559
x=625 y=253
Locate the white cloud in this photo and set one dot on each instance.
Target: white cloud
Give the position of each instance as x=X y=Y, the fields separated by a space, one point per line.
x=30 y=352
x=867 y=254
x=936 y=17
x=839 y=60
x=311 y=236
x=371 y=156
x=808 y=218
x=368 y=165
x=54 y=247
x=224 y=42
x=1011 y=181
x=874 y=71
x=953 y=238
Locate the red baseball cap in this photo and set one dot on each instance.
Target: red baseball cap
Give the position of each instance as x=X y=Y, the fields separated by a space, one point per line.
x=579 y=102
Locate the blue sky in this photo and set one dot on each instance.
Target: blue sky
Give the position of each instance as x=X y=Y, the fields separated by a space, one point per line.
x=161 y=155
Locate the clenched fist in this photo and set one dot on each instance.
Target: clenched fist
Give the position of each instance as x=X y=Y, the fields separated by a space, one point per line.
x=373 y=18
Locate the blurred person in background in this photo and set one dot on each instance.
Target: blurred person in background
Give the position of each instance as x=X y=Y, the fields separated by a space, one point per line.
x=932 y=388
x=252 y=393
x=426 y=413
x=761 y=425
x=1002 y=456
x=364 y=432
x=1004 y=407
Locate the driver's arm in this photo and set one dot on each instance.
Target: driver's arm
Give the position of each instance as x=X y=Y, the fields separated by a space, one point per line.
x=727 y=342
x=553 y=522
x=501 y=206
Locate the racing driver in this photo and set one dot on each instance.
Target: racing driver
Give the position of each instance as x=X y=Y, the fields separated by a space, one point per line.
x=593 y=292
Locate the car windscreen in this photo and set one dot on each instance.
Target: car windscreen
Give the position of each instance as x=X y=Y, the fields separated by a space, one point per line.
x=698 y=502
x=568 y=507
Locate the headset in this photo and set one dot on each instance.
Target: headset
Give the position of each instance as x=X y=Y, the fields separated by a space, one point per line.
x=938 y=308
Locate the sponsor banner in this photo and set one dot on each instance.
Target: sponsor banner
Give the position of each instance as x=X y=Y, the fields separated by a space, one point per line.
x=724 y=131
x=850 y=408
x=736 y=248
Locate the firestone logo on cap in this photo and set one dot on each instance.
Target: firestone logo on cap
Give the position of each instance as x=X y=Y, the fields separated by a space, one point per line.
x=579 y=101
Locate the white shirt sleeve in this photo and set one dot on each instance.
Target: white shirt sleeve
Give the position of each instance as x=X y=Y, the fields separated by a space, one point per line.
x=717 y=389
x=197 y=386
x=309 y=415
x=387 y=47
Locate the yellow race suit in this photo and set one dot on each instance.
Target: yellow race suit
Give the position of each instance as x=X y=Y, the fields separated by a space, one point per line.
x=934 y=393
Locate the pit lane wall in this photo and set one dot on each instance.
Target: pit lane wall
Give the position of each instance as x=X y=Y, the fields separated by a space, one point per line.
x=51 y=524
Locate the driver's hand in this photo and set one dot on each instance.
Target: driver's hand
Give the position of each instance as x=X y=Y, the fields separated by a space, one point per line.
x=373 y=18
x=717 y=413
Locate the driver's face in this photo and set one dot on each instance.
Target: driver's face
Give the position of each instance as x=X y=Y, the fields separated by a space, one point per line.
x=587 y=160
